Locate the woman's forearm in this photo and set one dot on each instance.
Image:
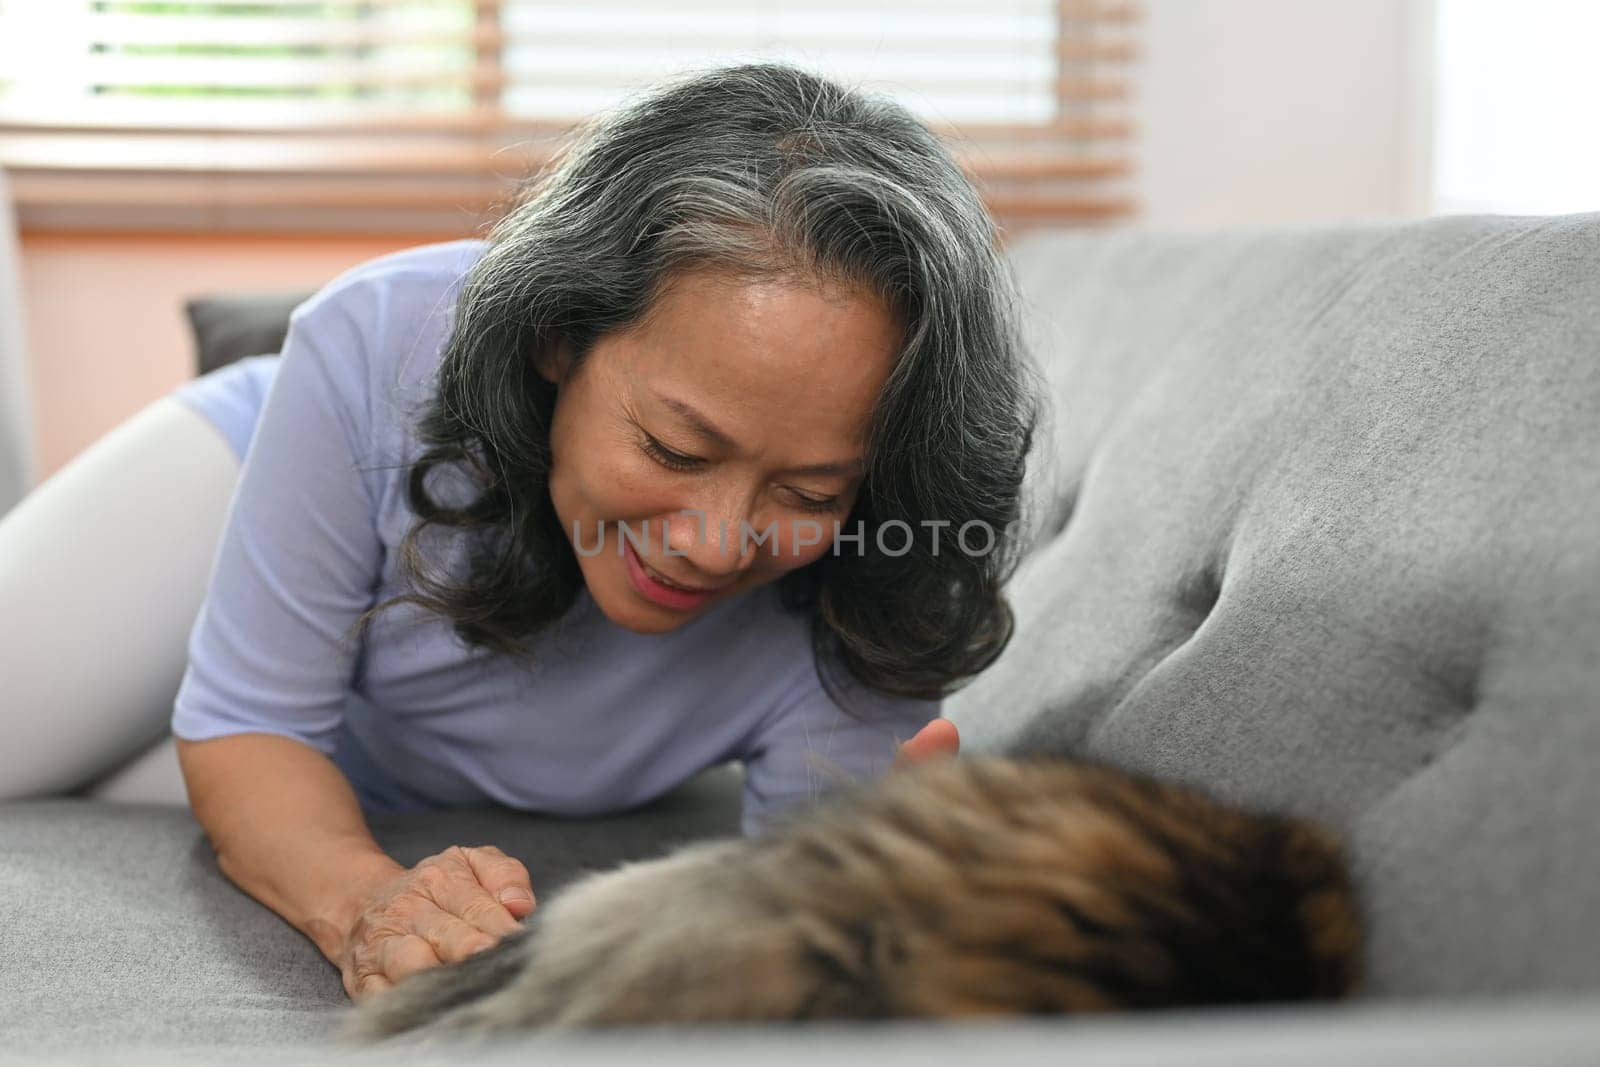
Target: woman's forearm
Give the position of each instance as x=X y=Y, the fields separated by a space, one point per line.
x=287 y=829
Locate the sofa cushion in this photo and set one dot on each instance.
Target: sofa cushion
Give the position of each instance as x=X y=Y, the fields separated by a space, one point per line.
x=1318 y=526
x=119 y=929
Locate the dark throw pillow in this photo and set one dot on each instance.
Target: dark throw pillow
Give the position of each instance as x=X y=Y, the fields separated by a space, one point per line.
x=228 y=327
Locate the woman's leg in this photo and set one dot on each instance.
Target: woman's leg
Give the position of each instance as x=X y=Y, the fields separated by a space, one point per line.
x=154 y=776
x=103 y=568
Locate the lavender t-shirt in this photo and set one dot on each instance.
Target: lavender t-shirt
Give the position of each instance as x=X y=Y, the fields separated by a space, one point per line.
x=602 y=718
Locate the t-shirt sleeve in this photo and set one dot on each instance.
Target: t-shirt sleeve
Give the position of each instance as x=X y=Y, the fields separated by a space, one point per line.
x=299 y=558
x=810 y=746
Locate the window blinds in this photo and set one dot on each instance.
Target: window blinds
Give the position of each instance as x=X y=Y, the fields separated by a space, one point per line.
x=422 y=114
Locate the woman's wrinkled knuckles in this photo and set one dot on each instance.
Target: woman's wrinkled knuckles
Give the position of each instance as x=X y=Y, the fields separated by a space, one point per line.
x=365 y=959
x=496 y=866
x=396 y=915
x=451 y=939
x=460 y=948
x=514 y=870
x=445 y=864
x=506 y=873
x=433 y=880
x=405 y=955
x=485 y=909
x=397 y=919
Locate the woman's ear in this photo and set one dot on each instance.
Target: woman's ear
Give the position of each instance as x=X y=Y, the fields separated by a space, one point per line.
x=553 y=360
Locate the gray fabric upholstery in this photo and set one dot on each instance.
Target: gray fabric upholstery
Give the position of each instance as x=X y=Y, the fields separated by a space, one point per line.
x=1322 y=533
x=1525 y=1031
x=1318 y=530
x=120 y=930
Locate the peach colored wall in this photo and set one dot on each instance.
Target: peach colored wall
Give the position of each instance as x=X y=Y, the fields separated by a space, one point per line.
x=104 y=314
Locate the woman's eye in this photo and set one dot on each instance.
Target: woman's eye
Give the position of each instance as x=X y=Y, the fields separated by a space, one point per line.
x=817 y=504
x=679 y=462
x=665 y=456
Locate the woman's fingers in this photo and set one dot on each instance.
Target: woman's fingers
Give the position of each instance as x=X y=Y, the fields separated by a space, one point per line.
x=505 y=879
x=452 y=882
x=406 y=954
x=937 y=739
x=440 y=911
x=360 y=987
x=451 y=937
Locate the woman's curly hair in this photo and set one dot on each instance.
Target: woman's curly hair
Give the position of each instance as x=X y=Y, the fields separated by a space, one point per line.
x=756 y=170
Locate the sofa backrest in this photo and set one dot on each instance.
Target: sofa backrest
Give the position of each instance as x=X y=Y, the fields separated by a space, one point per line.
x=1317 y=526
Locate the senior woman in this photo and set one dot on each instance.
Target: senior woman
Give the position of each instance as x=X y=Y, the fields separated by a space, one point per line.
x=711 y=450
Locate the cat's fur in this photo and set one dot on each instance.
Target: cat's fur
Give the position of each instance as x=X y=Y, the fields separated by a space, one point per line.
x=959 y=887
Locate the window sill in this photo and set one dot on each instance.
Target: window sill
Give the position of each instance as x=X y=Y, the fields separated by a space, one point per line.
x=72 y=180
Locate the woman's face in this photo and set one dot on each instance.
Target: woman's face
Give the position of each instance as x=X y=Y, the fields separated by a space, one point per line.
x=746 y=402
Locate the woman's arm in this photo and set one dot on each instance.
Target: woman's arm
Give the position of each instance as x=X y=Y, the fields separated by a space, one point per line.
x=288 y=830
x=271 y=664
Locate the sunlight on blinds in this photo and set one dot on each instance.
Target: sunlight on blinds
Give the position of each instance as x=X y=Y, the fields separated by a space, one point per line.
x=186 y=62
x=952 y=62
x=230 y=109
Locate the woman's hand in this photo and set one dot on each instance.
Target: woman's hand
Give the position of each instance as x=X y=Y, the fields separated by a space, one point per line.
x=444 y=909
x=936 y=740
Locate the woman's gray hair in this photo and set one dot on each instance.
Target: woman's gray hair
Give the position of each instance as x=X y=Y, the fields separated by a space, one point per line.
x=756 y=170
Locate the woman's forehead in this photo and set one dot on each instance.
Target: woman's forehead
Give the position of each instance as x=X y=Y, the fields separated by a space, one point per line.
x=779 y=343
x=780 y=321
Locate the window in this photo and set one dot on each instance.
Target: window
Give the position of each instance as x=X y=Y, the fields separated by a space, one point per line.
x=1517 y=93
x=423 y=114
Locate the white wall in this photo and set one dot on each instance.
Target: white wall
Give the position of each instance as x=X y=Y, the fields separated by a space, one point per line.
x=16 y=415
x=92 y=364
x=1283 y=110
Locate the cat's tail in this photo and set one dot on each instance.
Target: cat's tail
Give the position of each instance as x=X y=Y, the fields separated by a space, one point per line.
x=1326 y=908
x=427 y=997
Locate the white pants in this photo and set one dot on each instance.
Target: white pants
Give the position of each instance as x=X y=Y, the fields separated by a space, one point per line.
x=103 y=568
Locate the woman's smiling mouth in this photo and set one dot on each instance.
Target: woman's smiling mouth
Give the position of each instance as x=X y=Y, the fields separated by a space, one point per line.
x=660 y=590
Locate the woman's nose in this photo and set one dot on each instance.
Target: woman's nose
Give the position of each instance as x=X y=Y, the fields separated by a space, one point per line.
x=710 y=541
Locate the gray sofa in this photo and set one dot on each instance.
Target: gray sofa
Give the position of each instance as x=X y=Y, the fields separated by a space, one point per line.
x=1317 y=526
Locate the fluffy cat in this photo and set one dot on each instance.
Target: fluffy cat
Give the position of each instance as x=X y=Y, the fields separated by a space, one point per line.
x=957 y=887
